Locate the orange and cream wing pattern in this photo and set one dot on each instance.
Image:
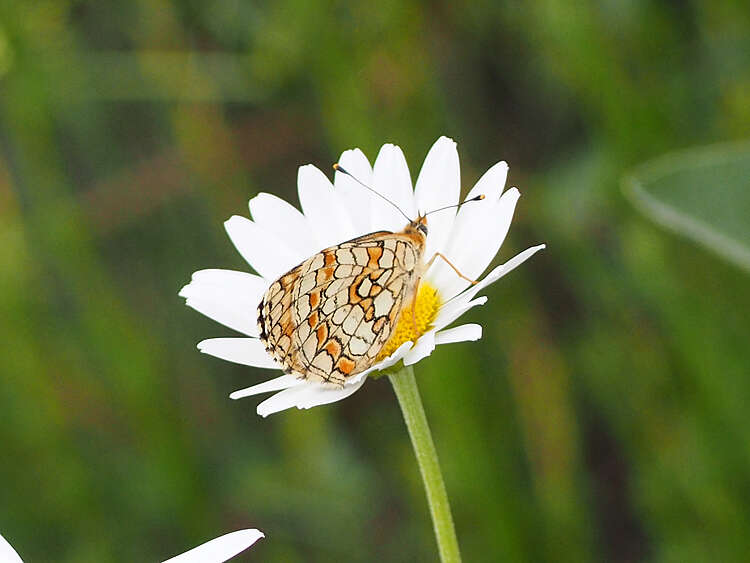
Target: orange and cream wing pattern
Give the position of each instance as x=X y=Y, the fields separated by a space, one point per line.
x=329 y=318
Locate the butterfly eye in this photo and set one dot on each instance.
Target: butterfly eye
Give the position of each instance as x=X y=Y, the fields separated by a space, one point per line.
x=422 y=227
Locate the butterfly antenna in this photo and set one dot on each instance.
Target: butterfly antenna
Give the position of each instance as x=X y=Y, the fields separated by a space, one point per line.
x=480 y=197
x=338 y=168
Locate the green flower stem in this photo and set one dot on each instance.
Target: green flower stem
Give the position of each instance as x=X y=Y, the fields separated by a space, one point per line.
x=405 y=385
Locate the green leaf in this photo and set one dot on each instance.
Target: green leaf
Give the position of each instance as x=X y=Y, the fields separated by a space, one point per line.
x=702 y=193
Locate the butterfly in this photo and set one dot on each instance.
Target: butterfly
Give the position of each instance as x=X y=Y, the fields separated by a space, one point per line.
x=330 y=317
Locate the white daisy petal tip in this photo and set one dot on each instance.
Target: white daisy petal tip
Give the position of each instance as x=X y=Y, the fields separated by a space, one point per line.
x=305 y=169
x=464 y=333
x=245 y=351
x=502 y=169
x=220 y=549
x=234 y=220
x=224 y=295
x=253 y=203
x=281 y=383
x=507 y=267
x=352 y=155
x=445 y=140
x=7 y=553
x=309 y=173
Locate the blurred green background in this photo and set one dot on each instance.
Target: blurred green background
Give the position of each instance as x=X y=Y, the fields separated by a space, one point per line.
x=604 y=416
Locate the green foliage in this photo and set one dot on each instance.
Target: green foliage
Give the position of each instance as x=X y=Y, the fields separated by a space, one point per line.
x=601 y=417
x=703 y=194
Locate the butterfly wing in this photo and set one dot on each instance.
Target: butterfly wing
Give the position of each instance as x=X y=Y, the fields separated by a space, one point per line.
x=329 y=318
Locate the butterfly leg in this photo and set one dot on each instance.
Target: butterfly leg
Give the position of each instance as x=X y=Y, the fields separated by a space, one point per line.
x=414 y=306
x=460 y=275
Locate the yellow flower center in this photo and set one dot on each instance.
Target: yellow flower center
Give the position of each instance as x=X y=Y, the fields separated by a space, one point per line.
x=414 y=321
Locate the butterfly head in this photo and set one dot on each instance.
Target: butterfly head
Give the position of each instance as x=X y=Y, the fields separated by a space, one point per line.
x=418 y=225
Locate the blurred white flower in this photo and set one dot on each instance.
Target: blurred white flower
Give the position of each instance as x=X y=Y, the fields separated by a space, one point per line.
x=280 y=237
x=217 y=550
x=7 y=553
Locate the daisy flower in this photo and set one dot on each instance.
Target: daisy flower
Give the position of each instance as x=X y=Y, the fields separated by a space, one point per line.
x=216 y=550
x=279 y=237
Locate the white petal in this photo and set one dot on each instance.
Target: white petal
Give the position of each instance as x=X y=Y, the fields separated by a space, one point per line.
x=283 y=382
x=323 y=207
x=7 y=553
x=459 y=334
x=462 y=303
x=451 y=311
x=219 y=549
x=357 y=199
x=306 y=396
x=471 y=225
x=501 y=218
x=503 y=269
x=492 y=183
x=423 y=348
x=439 y=185
x=226 y=296
x=286 y=222
x=477 y=236
x=238 y=283
x=391 y=179
x=245 y=351
x=391 y=360
x=264 y=251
